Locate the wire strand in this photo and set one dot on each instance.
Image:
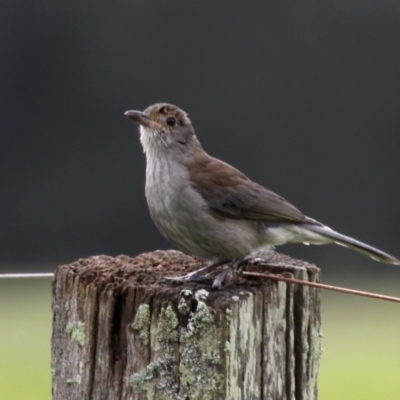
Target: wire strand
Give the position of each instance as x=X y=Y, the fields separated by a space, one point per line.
x=323 y=286
x=27 y=275
x=254 y=274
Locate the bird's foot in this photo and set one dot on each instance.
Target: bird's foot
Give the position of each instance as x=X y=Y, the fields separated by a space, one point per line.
x=191 y=277
x=196 y=276
x=232 y=267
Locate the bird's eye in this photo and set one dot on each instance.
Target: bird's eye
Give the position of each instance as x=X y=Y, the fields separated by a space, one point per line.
x=171 y=121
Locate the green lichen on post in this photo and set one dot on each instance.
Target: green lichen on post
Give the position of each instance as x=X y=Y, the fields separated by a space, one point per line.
x=186 y=292
x=168 y=323
x=77 y=332
x=157 y=379
x=141 y=323
x=183 y=306
x=138 y=381
x=200 y=353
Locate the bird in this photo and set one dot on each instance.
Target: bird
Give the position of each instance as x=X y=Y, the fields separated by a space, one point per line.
x=208 y=208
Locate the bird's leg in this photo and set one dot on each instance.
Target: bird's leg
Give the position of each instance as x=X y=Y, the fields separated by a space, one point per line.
x=196 y=275
x=233 y=265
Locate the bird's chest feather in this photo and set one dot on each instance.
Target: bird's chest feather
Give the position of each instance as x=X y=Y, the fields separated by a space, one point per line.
x=182 y=216
x=172 y=203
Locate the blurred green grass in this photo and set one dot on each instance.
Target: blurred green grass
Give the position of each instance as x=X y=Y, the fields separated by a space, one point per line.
x=361 y=343
x=25 y=333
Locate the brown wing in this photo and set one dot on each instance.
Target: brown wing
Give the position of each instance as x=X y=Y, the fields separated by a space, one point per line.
x=229 y=193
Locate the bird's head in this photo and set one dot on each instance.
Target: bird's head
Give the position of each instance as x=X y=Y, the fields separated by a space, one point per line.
x=164 y=126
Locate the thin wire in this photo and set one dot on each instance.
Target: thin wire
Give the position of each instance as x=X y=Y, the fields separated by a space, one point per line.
x=255 y=274
x=323 y=286
x=26 y=275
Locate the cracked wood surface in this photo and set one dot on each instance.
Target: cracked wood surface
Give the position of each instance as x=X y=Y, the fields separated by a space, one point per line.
x=122 y=332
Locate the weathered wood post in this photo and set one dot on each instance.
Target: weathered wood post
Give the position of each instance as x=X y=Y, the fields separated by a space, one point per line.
x=121 y=332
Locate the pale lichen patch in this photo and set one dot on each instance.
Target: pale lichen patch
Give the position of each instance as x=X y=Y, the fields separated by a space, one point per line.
x=201 y=353
x=186 y=292
x=156 y=380
x=77 y=332
x=201 y=294
x=183 y=307
x=168 y=323
x=141 y=323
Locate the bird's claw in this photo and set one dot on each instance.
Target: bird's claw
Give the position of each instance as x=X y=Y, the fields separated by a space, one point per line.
x=220 y=278
x=191 y=277
x=198 y=276
x=232 y=267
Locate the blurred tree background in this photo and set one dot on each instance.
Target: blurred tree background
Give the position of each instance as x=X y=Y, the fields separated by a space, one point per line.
x=303 y=97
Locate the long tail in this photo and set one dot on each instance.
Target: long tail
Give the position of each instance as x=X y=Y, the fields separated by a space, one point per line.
x=353 y=244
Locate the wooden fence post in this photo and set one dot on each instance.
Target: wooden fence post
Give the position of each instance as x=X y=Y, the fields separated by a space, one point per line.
x=121 y=332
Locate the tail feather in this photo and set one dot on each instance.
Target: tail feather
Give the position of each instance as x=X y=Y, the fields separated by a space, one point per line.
x=353 y=244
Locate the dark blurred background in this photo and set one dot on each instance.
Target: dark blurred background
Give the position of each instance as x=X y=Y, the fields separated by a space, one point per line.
x=303 y=97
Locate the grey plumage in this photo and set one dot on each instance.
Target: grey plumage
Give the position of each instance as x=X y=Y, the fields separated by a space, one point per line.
x=208 y=208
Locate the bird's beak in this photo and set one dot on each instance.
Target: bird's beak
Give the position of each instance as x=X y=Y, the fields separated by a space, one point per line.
x=142 y=119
